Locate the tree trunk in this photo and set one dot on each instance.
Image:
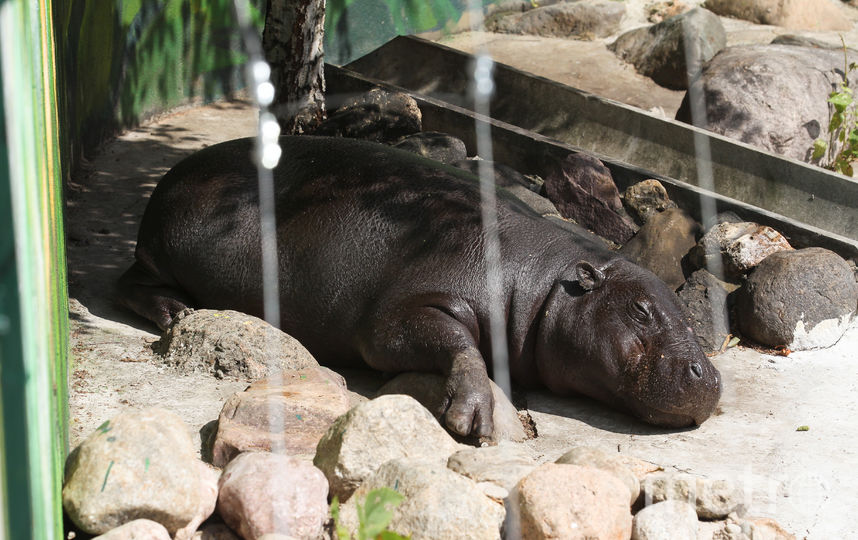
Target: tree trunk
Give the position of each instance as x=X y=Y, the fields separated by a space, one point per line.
x=293 y=43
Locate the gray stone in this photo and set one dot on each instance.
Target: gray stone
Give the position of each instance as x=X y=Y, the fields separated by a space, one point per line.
x=597 y=459
x=802 y=299
x=229 y=343
x=287 y=412
x=377 y=115
x=676 y=520
x=659 y=51
x=731 y=249
x=570 y=502
x=662 y=243
x=375 y=432
x=139 y=465
x=264 y=493
x=706 y=299
x=646 y=198
x=139 y=529
x=711 y=498
x=774 y=97
x=430 y=390
x=503 y=465
x=597 y=18
x=793 y=14
x=582 y=189
x=433 y=145
x=437 y=504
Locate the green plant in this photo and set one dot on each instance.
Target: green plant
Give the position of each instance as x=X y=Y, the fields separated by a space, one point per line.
x=373 y=516
x=839 y=149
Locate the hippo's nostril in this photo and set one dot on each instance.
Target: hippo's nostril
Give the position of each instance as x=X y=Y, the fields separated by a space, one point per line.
x=696 y=369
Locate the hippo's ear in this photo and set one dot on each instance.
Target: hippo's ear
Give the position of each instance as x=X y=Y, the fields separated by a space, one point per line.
x=589 y=277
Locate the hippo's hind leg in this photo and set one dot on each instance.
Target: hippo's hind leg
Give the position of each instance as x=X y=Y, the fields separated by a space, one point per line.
x=148 y=296
x=427 y=338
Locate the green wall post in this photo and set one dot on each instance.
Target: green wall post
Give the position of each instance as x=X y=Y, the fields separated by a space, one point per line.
x=33 y=298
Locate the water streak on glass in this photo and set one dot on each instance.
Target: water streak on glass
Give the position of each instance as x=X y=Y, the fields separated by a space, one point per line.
x=482 y=90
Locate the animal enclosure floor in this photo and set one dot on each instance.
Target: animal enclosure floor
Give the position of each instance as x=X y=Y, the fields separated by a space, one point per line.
x=803 y=479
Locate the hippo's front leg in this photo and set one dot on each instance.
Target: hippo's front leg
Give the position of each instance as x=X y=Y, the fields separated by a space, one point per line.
x=433 y=338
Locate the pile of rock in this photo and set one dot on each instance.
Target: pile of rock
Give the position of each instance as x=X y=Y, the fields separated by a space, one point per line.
x=137 y=476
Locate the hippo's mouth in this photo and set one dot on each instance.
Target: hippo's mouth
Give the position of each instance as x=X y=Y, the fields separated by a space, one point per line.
x=668 y=417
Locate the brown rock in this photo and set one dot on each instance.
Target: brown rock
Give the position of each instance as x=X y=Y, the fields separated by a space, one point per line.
x=139 y=529
x=597 y=459
x=288 y=412
x=570 y=502
x=647 y=198
x=662 y=243
x=582 y=189
x=263 y=493
x=793 y=14
x=377 y=115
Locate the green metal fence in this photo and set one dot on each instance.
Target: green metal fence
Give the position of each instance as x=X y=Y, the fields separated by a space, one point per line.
x=33 y=299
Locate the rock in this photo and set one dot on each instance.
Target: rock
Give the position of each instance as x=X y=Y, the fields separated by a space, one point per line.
x=802 y=299
x=264 y=493
x=731 y=249
x=503 y=465
x=429 y=390
x=287 y=412
x=774 y=97
x=712 y=499
x=433 y=145
x=597 y=459
x=375 y=432
x=662 y=53
x=647 y=198
x=139 y=465
x=659 y=11
x=582 y=189
x=662 y=243
x=639 y=467
x=570 y=502
x=706 y=300
x=437 y=504
x=803 y=41
x=377 y=115
x=229 y=343
x=597 y=18
x=139 y=529
x=676 y=520
x=792 y=14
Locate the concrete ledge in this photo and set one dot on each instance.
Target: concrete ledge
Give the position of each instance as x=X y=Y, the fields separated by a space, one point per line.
x=794 y=189
x=526 y=151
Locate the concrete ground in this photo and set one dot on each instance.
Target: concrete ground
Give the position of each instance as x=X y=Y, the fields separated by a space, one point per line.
x=804 y=479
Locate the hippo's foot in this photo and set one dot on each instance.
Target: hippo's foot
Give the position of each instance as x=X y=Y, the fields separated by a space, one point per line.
x=147 y=296
x=469 y=404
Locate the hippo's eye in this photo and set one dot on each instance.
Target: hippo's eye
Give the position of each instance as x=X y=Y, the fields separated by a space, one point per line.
x=642 y=311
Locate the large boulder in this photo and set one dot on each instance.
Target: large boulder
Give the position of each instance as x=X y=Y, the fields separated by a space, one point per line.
x=803 y=299
x=288 y=412
x=676 y=520
x=582 y=189
x=569 y=501
x=374 y=432
x=597 y=18
x=711 y=498
x=263 y=493
x=662 y=51
x=586 y=456
x=774 y=97
x=437 y=503
x=792 y=14
x=229 y=344
x=503 y=465
x=139 y=465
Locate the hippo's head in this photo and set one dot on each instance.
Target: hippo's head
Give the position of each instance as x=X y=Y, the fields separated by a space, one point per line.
x=615 y=332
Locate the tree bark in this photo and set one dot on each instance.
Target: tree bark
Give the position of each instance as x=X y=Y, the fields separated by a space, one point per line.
x=293 y=43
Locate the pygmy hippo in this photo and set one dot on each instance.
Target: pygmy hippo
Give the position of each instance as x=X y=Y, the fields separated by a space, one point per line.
x=382 y=259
